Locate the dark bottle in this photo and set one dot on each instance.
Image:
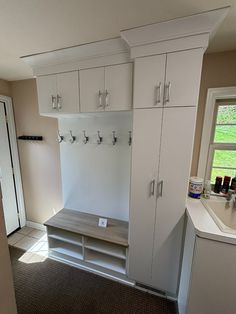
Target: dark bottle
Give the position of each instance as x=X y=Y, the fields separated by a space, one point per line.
x=218 y=183
x=233 y=184
x=225 y=187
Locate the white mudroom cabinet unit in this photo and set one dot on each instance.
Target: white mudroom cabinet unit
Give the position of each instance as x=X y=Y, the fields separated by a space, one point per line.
x=136 y=164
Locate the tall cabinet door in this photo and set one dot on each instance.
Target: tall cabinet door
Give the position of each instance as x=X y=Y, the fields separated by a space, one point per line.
x=118 y=85
x=68 y=91
x=183 y=73
x=149 y=81
x=175 y=160
x=91 y=89
x=47 y=91
x=145 y=158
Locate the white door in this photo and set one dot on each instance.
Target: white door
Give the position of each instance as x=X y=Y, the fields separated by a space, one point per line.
x=92 y=89
x=118 y=85
x=6 y=177
x=68 y=91
x=175 y=161
x=149 y=76
x=183 y=72
x=47 y=93
x=145 y=159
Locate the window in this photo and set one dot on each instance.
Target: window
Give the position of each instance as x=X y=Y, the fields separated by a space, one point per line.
x=222 y=147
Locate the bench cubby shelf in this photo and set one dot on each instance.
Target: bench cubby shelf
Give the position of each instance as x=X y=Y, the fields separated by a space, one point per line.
x=74 y=237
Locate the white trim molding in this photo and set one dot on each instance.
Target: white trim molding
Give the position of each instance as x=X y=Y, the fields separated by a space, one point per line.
x=213 y=94
x=15 y=159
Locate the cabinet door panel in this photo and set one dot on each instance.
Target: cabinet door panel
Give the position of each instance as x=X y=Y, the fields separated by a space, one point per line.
x=118 y=83
x=175 y=160
x=149 y=72
x=183 y=71
x=145 y=157
x=46 y=88
x=68 y=90
x=91 y=82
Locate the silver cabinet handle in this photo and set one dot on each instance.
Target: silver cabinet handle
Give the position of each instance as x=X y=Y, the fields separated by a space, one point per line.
x=152 y=187
x=59 y=106
x=100 y=99
x=53 y=99
x=159 y=188
x=158 y=90
x=106 y=98
x=167 y=92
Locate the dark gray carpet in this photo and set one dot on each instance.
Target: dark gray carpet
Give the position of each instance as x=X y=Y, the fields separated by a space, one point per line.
x=51 y=287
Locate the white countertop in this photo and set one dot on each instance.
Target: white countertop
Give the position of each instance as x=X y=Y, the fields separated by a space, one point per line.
x=204 y=225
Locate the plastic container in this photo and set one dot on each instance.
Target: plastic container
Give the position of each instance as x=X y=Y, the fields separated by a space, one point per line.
x=225 y=187
x=233 y=184
x=195 y=187
x=218 y=183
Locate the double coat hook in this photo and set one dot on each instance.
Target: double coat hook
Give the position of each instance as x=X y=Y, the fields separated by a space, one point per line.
x=86 y=138
x=99 y=139
x=60 y=137
x=72 y=138
x=114 y=138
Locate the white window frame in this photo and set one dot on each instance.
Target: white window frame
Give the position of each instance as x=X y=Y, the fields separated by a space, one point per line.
x=206 y=151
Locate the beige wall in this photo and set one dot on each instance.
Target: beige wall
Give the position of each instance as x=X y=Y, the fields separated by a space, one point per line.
x=5 y=88
x=219 y=70
x=40 y=164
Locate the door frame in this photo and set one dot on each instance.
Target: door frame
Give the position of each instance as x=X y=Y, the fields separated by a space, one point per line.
x=15 y=159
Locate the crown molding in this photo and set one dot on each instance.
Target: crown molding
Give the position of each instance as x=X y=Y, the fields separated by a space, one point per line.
x=171 y=33
x=77 y=55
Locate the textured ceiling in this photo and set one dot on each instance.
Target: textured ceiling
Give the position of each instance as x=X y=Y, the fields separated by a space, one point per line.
x=33 y=26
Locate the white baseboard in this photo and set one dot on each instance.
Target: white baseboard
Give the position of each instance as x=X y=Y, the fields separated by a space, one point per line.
x=35 y=225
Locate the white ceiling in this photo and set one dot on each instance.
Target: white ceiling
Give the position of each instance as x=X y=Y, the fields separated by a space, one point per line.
x=33 y=26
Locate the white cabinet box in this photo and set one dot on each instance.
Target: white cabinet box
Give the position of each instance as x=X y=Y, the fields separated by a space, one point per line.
x=58 y=93
x=106 y=88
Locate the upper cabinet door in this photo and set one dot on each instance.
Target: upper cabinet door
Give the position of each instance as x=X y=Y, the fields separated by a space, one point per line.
x=118 y=87
x=183 y=72
x=92 y=89
x=47 y=93
x=149 y=76
x=68 y=92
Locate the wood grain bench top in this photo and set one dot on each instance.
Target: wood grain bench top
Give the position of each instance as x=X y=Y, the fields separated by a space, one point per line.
x=87 y=224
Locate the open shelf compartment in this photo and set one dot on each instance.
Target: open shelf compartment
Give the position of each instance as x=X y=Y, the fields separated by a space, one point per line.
x=105 y=261
x=66 y=249
x=63 y=235
x=105 y=247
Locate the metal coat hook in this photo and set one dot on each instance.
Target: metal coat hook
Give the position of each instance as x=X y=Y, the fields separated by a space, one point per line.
x=130 y=138
x=114 y=138
x=86 y=138
x=99 y=140
x=71 y=137
x=60 y=137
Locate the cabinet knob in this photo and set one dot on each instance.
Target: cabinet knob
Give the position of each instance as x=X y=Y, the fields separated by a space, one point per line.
x=53 y=100
x=106 y=98
x=158 y=94
x=100 y=99
x=167 y=92
x=59 y=105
